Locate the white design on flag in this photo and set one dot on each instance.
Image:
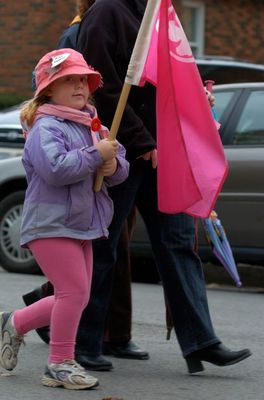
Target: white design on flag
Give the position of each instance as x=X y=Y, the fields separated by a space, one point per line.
x=178 y=41
x=182 y=50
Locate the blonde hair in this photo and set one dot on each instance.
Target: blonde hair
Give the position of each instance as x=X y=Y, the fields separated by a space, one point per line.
x=83 y=6
x=30 y=107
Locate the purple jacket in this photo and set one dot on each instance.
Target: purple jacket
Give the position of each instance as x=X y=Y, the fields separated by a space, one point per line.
x=60 y=201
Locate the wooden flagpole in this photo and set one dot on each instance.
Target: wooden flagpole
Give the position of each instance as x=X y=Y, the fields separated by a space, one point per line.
x=115 y=126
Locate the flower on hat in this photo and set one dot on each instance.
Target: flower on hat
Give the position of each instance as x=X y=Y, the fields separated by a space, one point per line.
x=55 y=63
x=57 y=60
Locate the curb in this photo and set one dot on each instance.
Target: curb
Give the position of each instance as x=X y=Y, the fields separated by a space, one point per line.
x=252 y=277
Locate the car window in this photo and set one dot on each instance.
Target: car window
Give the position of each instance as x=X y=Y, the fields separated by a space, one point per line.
x=222 y=100
x=230 y=74
x=250 y=127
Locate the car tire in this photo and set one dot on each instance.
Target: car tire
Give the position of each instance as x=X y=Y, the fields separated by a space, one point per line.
x=13 y=258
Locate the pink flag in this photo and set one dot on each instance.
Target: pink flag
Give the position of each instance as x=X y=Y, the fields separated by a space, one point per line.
x=191 y=161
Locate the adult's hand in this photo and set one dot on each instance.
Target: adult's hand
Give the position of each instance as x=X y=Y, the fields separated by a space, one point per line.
x=151 y=155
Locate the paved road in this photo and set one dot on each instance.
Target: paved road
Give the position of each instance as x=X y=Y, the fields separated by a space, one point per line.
x=238 y=320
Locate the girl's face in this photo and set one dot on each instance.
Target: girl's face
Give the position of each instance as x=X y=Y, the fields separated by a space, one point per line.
x=70 y=91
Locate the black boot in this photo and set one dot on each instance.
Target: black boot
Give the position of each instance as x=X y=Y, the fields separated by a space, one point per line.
x=32 y=297
x=217 y=354
x=125 y=350
x=94 y=363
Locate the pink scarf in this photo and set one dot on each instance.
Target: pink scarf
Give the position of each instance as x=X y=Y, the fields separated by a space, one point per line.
x=81 y=117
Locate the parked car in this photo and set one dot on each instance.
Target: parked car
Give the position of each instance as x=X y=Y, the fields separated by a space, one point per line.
x=229 y=70
x=11 y=135
x=12 y=192
x=240 y=205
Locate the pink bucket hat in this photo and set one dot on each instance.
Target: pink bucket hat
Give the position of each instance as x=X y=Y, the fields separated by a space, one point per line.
x=62 y=62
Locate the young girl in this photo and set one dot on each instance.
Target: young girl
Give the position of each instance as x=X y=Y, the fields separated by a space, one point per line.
x=62 y=214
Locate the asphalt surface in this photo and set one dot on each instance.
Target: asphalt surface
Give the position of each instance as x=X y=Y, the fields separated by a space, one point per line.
x=238 y=319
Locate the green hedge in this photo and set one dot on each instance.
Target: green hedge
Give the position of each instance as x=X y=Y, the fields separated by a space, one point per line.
x=8 y=100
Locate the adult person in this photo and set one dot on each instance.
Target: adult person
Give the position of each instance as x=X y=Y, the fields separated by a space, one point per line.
x=69 y=36
x=117 y=337
x=62 y=214
x=106 y=38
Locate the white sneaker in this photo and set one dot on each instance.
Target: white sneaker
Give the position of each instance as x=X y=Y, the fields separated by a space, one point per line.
x=10 y=342
x=68 y=374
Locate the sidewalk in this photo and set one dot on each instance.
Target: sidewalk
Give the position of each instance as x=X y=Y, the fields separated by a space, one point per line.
x=238 y=320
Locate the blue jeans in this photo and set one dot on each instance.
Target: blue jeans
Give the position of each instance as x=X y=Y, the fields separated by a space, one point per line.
x=172 y=239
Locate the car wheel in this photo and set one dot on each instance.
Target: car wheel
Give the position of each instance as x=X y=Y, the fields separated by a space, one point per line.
x=14 y=258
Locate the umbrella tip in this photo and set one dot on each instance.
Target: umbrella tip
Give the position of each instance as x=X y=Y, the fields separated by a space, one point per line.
x=239 y=284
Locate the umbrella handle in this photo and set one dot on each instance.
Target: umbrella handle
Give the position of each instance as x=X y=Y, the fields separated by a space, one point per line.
x=209 y=86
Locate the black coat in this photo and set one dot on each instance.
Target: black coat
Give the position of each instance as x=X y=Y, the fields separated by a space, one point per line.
x=106 y=38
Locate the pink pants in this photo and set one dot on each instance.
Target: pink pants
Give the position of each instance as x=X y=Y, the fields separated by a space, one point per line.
x=67 y=263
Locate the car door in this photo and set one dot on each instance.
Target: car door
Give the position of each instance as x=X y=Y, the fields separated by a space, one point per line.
x=241 y=202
